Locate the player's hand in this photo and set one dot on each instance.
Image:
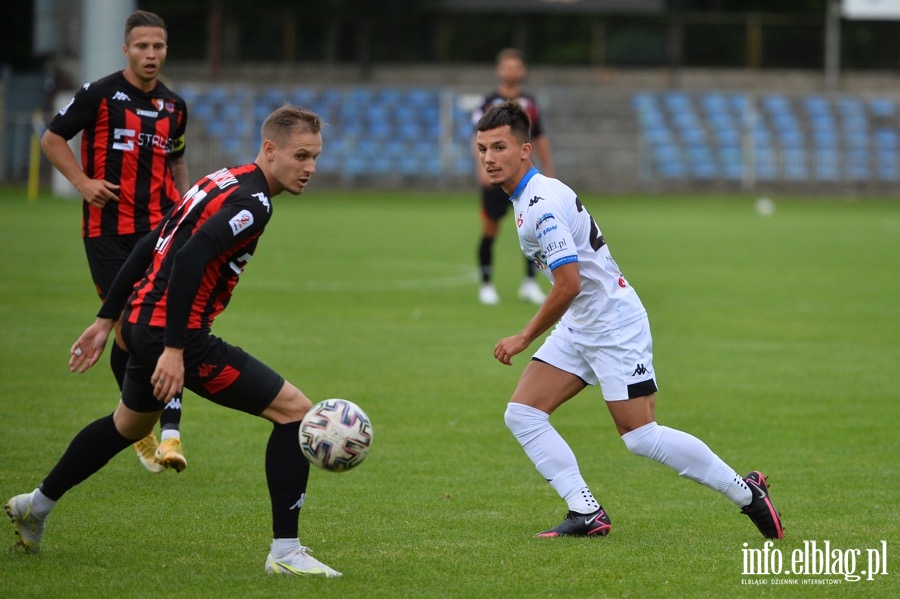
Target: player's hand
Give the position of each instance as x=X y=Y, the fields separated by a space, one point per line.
x=168 y=378
x=508 y=347
x=98 y=192
x=87 y=350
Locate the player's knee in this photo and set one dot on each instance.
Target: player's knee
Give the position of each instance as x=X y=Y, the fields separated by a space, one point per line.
x=290 y=405
x=521 y=419
x=643 y=441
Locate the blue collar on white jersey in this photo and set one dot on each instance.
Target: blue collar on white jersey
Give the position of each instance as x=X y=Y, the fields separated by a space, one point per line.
x=531 y=172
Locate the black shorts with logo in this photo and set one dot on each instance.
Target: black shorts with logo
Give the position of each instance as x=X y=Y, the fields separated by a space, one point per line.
x=494 y=202
x=220 y=372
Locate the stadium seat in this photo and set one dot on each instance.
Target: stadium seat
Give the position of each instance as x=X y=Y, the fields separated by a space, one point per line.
x=827 y=165
x=882 y=108
x=794 y=163
x=857 y=165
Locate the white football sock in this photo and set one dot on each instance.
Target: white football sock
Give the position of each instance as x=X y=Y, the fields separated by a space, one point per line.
x=283 y=547
x=688 y=456
x=551 y=455
x=41 y=504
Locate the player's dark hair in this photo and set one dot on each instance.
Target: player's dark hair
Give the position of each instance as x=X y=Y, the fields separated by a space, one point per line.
x=143 y=18
x=278 y=125
x=509 y=113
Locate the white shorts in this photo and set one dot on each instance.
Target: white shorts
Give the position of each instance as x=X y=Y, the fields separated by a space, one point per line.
x=621 y=360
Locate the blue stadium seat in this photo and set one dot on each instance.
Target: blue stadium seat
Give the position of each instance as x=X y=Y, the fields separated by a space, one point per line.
x=887 y=139
x=794 y=162
x=888 y=165
x=201 y=109
x=882 y=108
x=857 y=165
x=827 y=165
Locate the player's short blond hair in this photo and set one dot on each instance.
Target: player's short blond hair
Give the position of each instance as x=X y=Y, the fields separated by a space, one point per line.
x=279 y=125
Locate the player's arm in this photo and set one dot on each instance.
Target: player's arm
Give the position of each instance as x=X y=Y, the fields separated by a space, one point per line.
x=566 y=287
x=187 y=273
x=95 y=191
x=180 y=174
x=87 y=349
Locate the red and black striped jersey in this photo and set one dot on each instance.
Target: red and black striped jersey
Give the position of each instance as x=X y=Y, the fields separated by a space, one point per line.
x=526 y=101
x=128 y=138
x=201 y=248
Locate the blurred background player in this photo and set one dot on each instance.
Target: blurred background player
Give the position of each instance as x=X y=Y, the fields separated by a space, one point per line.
x=511 y=72
x=133 y=171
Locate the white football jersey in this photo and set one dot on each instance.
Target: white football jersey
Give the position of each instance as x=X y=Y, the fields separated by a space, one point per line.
x=554 y=228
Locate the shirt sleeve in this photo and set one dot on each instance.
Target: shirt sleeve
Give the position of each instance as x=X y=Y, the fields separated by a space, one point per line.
x=555 y=238
x=79 y=114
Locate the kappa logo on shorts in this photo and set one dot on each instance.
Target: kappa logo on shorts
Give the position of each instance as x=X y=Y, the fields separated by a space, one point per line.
x=639 y=370
x=205 y=370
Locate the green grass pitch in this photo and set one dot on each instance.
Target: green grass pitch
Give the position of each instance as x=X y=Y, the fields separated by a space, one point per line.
x=777 y=342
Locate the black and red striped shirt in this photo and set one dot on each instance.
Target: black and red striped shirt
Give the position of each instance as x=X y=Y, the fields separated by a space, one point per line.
x=187 y=268
x=527 y=102
x=128 y=138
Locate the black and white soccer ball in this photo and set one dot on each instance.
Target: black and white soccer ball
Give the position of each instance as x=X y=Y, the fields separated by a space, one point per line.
x=336 y=435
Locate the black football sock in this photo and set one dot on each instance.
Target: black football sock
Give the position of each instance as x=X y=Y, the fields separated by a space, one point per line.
x=170 y=419
x=118 y=361
x=530 y=268
x=485 y=258
x=287 y=472
x=88 y=452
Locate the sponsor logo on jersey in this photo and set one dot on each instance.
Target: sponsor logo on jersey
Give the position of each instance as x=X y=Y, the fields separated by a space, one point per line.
x=150 y=113
x=542 y=219
x=241 y=221
x=263 y=200
x=124 y=139
x=121 y=96
x=160 y=103
x=65 y=108
x=541 y=225
x=520 y=221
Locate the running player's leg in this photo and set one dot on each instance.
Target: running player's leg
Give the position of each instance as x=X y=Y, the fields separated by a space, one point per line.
x=233 y=378
x=106 y=255
x=629 y=387
x=542 y=388
x=88 y=452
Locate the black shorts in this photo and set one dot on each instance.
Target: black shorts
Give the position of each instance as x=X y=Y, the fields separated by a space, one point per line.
x=494 y=202
x=214 y=369
x=106 y=255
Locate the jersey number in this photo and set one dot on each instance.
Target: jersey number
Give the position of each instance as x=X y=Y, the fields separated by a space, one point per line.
x=597 y=241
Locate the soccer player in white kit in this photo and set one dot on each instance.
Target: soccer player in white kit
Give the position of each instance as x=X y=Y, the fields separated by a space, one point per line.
x=602 y=335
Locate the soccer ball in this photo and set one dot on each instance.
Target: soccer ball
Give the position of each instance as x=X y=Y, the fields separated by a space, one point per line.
x=335 y=435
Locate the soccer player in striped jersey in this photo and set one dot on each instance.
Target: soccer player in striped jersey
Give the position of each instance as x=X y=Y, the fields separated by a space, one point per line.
x=602 y=335
x=171 y=288
x=133 y=171
x=511 y=72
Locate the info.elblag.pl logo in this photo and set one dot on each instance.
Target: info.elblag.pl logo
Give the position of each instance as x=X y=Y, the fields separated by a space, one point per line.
x=829 y=565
